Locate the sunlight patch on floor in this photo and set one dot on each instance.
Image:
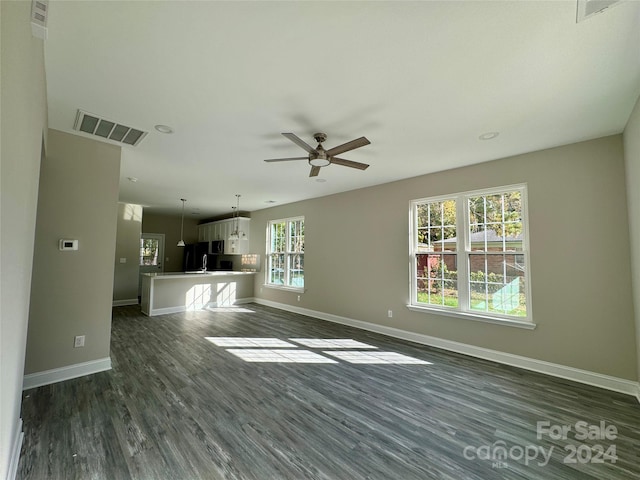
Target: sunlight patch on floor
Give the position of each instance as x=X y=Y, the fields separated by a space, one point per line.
x=231 y=308
x=275 y=350
x=330 y=343
x=376 y=358
x=249 y=342
x=279 y=356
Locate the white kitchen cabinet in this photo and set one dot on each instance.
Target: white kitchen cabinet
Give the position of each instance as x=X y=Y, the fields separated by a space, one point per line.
x=204 y=232
x=221 y=230
x=208 y=233
x=217 y=231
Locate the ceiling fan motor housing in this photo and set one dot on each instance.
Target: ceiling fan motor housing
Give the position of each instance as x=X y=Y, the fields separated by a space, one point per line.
x=320 y=137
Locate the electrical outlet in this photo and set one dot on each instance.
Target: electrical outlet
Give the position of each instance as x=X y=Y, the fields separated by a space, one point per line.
x=78 y=341
x=298 y=297
x=390 y=313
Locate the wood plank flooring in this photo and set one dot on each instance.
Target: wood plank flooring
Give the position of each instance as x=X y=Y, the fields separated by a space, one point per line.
x=178 y=406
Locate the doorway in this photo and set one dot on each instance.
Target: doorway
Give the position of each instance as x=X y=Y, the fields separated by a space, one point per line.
x=151 y=255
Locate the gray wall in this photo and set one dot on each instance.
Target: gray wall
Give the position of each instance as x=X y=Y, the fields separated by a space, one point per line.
x=357 y=256
x=170 y=226
x=71 y=291
x=632 y=163
x=24 y=119
x=125 y=278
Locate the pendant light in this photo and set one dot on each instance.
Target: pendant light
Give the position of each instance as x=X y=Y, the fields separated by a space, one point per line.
x=181 y=242
x=236 y=233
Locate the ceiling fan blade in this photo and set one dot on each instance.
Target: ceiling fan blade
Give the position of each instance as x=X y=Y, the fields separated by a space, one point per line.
x=314 y=171
x=349 y=163
x=286 y=159
x=298 y=141
x=345 y=147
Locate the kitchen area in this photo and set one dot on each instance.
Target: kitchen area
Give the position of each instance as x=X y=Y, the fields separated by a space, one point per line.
x=219 y=246
x=217 y=271
x=197 y=265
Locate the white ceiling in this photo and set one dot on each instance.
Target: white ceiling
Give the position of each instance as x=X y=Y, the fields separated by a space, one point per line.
x=421 y=80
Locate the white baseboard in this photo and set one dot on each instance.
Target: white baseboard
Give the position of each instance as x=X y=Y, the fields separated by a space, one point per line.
x=14 y=459
x=182 y=308
x=166 y=311
x=124 y=303
x=615 y=384
x=65 y=373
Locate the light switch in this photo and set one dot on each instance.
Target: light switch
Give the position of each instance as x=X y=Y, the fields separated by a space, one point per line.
x=123 y=260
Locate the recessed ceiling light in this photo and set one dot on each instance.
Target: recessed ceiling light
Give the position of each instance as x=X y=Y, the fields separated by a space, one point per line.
x=320 y=180
x=164 y=128
x=489 y=135
x=132 y=179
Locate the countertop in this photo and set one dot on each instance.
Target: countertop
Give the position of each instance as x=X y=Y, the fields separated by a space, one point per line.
x=220 y=273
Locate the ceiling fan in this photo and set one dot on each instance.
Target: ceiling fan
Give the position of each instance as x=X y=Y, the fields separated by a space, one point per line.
x=319 y=157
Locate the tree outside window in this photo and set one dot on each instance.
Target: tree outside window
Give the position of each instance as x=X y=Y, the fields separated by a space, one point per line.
x=149 y=251
x=469 y=253
x=285 y=253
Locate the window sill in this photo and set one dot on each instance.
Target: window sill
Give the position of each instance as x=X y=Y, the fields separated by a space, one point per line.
x=475 y=317
x=284 y=287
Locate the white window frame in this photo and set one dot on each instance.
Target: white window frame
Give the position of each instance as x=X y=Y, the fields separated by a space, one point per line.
x=463 y=253
x=287 y=254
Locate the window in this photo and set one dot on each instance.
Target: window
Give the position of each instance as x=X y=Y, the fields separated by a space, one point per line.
x=285 y=253
x=149 y=251
x=469 y=254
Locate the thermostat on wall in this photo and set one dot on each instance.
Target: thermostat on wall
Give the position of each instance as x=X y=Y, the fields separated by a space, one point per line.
x=68 y=244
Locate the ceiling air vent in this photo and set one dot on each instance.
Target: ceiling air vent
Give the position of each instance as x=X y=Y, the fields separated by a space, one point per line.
x=39 y=11
x=588 y=8
x=107 y=129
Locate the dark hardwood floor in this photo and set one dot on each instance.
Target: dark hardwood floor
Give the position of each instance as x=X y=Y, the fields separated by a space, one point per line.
x=179 y=404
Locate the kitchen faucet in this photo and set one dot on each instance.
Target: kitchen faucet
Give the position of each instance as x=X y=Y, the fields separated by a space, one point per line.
x=204 y=262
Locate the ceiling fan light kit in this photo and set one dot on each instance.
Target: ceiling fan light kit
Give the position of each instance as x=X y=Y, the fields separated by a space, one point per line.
x=319 y=157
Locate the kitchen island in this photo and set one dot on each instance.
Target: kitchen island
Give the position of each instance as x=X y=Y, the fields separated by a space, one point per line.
x=164 y=293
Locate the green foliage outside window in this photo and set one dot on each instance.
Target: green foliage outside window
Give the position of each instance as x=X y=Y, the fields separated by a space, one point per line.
x=492 y=228
x=149 y=251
